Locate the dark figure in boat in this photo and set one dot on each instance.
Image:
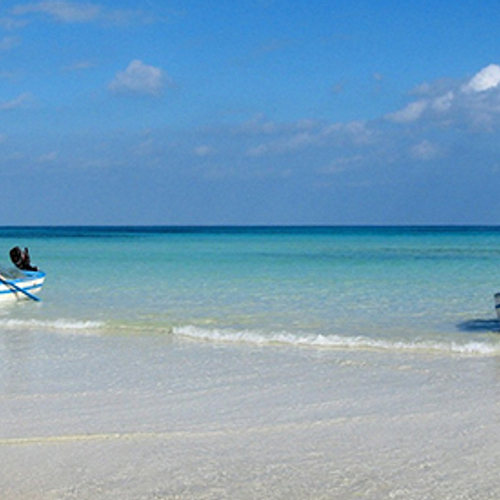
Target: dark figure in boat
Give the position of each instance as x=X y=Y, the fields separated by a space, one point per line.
x=21 y=259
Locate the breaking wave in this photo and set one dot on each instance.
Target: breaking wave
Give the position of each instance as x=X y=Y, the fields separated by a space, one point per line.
x=477 y=348
x=61 y=324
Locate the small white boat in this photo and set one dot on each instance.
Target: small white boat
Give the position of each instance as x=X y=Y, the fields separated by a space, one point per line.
x=16 y=284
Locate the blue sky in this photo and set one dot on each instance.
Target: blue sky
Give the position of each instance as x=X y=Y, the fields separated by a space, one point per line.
x=249 y=112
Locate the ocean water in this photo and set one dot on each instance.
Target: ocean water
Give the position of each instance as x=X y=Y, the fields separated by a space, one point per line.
x=253 y=362
x=386 y=288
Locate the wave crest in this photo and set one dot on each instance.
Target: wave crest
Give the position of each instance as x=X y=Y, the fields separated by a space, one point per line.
x=50 y=325
x=338 y=341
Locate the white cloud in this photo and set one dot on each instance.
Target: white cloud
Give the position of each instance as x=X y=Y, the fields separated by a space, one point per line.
x=488 y=78
x=139 y=78
x=285 y=141
x=67 y=12
x=259 y=125
x=23 y=100
x=203 y=150
x=79 y=66
x=9 y=42
x=425 y=150
x=11 y=23
x=342 y=164
x=48 y=157
x=409 y=113
x=475 y=104
x=260 y=150
x=443 y=103
x=355 y=132
x=308 y=134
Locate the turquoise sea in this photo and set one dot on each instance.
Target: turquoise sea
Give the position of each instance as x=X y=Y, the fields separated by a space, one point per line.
x=388 y=288
x=263 y=362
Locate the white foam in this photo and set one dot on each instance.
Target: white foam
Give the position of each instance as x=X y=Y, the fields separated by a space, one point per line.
x=60 y=324
x=337 y=341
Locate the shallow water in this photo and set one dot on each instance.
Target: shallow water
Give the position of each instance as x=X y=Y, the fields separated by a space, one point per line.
x=384 y=287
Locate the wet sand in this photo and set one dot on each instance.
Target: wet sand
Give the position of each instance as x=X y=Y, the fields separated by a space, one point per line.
x=152 y=417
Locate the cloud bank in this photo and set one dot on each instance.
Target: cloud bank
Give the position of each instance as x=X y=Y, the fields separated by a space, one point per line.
x=473 y=104
x=442 y=144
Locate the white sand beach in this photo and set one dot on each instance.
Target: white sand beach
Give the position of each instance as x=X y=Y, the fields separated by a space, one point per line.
x=154 y=418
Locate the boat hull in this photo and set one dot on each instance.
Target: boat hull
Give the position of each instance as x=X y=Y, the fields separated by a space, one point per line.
x=31 y=281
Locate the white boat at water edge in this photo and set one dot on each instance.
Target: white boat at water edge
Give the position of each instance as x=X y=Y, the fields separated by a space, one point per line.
x=16 y=284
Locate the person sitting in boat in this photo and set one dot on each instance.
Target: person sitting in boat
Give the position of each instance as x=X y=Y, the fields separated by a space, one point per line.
x=21 y=259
